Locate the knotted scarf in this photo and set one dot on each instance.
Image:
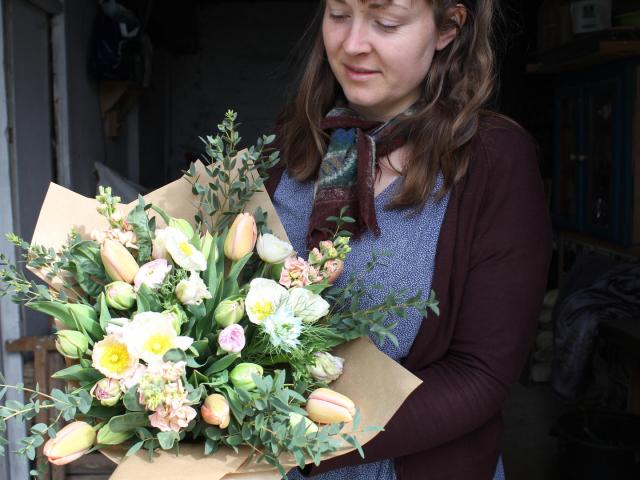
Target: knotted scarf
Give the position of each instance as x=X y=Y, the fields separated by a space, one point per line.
x=347 y=171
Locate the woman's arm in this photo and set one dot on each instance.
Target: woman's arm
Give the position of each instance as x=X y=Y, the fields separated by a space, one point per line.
x=496 y=320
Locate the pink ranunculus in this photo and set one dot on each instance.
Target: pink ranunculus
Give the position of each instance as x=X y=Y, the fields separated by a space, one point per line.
x=152 y=274
x=172 y=420
x=295 y=273
x=231 y=338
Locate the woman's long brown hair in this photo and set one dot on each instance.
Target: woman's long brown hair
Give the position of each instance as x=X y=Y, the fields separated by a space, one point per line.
x=458 y=85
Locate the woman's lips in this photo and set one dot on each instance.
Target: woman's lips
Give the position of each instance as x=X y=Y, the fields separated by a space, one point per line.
x=359 y=73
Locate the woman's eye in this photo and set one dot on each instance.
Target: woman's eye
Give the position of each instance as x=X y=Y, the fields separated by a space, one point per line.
x=387 y=27
x=338 y=17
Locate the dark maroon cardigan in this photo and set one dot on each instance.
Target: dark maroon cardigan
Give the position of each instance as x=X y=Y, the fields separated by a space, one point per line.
x=490 y=275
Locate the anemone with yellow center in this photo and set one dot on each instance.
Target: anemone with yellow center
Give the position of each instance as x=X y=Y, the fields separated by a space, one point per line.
x=182 y=252
x=263 y=299
x=151 y=334
x=113 y=358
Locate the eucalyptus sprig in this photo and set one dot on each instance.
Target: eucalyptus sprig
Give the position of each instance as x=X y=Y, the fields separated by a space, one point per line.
x=231 y=178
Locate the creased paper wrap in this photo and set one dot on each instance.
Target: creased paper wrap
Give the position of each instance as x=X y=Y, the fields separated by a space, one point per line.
x=376 y=384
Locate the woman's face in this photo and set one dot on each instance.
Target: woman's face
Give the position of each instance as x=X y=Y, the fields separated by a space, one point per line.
x=380 y=52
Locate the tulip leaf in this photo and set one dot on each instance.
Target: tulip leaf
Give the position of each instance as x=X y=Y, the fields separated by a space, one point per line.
x=139 y=222
x=105 y=316
x=231 y=282
x=174 y=355
x=211 y=274
x=55 y=309
x=79 y=374
x=85 y=263
x=197 y=378
x=221 y=364
x=85 y=318
x=129 y=421
x=147 y=300
x=104 y=413
x=130 y=400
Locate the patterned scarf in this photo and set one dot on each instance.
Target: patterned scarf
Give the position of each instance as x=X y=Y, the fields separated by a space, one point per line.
x=347 y=171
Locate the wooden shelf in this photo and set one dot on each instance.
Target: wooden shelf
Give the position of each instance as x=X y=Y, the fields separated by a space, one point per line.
x=588 y=50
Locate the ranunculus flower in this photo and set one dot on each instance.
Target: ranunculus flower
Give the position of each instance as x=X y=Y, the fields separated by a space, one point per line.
x=71 y=343
x=241 y=237
x=118 y=262
x=107 y=391
x=328 y=406
x=327 y=367
x=229 y=311
x=263 y=299
x=172 y=420
x=231 y=338
x=215 y=410
x=273 y=250
x=70 y=443
x=182 y=252
x=152 y=274
x=241 y=375
x=120 y=295
x=193 y=290
x=307 y=305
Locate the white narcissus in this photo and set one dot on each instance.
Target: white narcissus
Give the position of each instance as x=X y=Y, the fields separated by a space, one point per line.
x=273 y=250
x=307 y=305
x=192 y=291
x=263 y=299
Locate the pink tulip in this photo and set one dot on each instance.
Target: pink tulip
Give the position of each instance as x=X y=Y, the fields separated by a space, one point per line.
x=71 y=443
x=231 y=338
x=241 y=237
x=327 y=406
x=118 y=262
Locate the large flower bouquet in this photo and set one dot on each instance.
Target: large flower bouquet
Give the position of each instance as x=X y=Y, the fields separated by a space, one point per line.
x=188 y=325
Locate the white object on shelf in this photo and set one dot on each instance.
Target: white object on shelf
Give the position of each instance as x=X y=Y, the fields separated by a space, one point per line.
x=590 y=15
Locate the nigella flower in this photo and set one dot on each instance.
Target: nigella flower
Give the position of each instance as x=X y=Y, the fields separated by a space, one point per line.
x=283 y=328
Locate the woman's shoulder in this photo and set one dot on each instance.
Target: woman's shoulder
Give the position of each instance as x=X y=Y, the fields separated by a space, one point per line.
x=503 y=144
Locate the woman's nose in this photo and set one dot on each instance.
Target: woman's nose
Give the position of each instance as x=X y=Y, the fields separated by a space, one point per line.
x=357 y=41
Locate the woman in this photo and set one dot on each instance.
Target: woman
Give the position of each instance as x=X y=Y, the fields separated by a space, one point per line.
x=388 y=120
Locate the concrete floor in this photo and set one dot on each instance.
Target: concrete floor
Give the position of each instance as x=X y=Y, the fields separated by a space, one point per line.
x=529 y=450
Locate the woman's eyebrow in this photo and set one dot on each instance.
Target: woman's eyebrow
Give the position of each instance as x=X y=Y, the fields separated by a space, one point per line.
x=376 y=5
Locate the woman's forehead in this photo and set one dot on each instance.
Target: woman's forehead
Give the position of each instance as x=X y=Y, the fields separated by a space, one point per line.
x=381 y=3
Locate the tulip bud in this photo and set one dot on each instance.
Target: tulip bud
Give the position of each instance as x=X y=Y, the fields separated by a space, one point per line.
x=229 y=312
x=296 y=418
x=241 y=237
x=71 y=442
x=327 y=406
x=327 y=368
x=215 y=410
x=106 y=436
x=71 y=343
x=273 y=250
x=182 y=225
x=120 y=295
x=118 y=262
x=332 y=269
x=108 y=391
x=240 y=376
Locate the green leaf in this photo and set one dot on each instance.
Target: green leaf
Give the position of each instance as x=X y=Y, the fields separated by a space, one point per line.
x=221 y=364
x=231 y=282
x=130 y=400
x=86 y=266
x=129 y=421
x=54 y=309
x=134 y=448
x=105 y=316
x=147 y=300
x=78 y=373
x=167 y=439
x=197 y=378
x=139 y=222
x=174 y=355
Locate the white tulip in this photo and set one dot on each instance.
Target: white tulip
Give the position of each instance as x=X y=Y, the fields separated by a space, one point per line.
x=193 y=290
x=273 y=250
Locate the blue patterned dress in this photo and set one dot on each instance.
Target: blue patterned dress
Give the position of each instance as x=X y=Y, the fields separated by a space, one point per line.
x=410 y=260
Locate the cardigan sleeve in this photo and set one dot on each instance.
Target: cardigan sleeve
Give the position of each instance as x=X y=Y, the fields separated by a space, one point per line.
x=496 y=316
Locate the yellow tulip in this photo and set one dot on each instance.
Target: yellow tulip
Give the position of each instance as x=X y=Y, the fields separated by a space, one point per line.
x=72 y=442
x=327 y=406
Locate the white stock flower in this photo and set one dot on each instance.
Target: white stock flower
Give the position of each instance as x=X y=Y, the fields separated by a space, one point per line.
x=307 y=305
x=193 y=290
x=263 y=299
x=273 y=250
x=151 y=334
x=182 y=252
x=283 y=328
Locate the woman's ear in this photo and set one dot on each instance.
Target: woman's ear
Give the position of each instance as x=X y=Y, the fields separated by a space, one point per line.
x=457 y=16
